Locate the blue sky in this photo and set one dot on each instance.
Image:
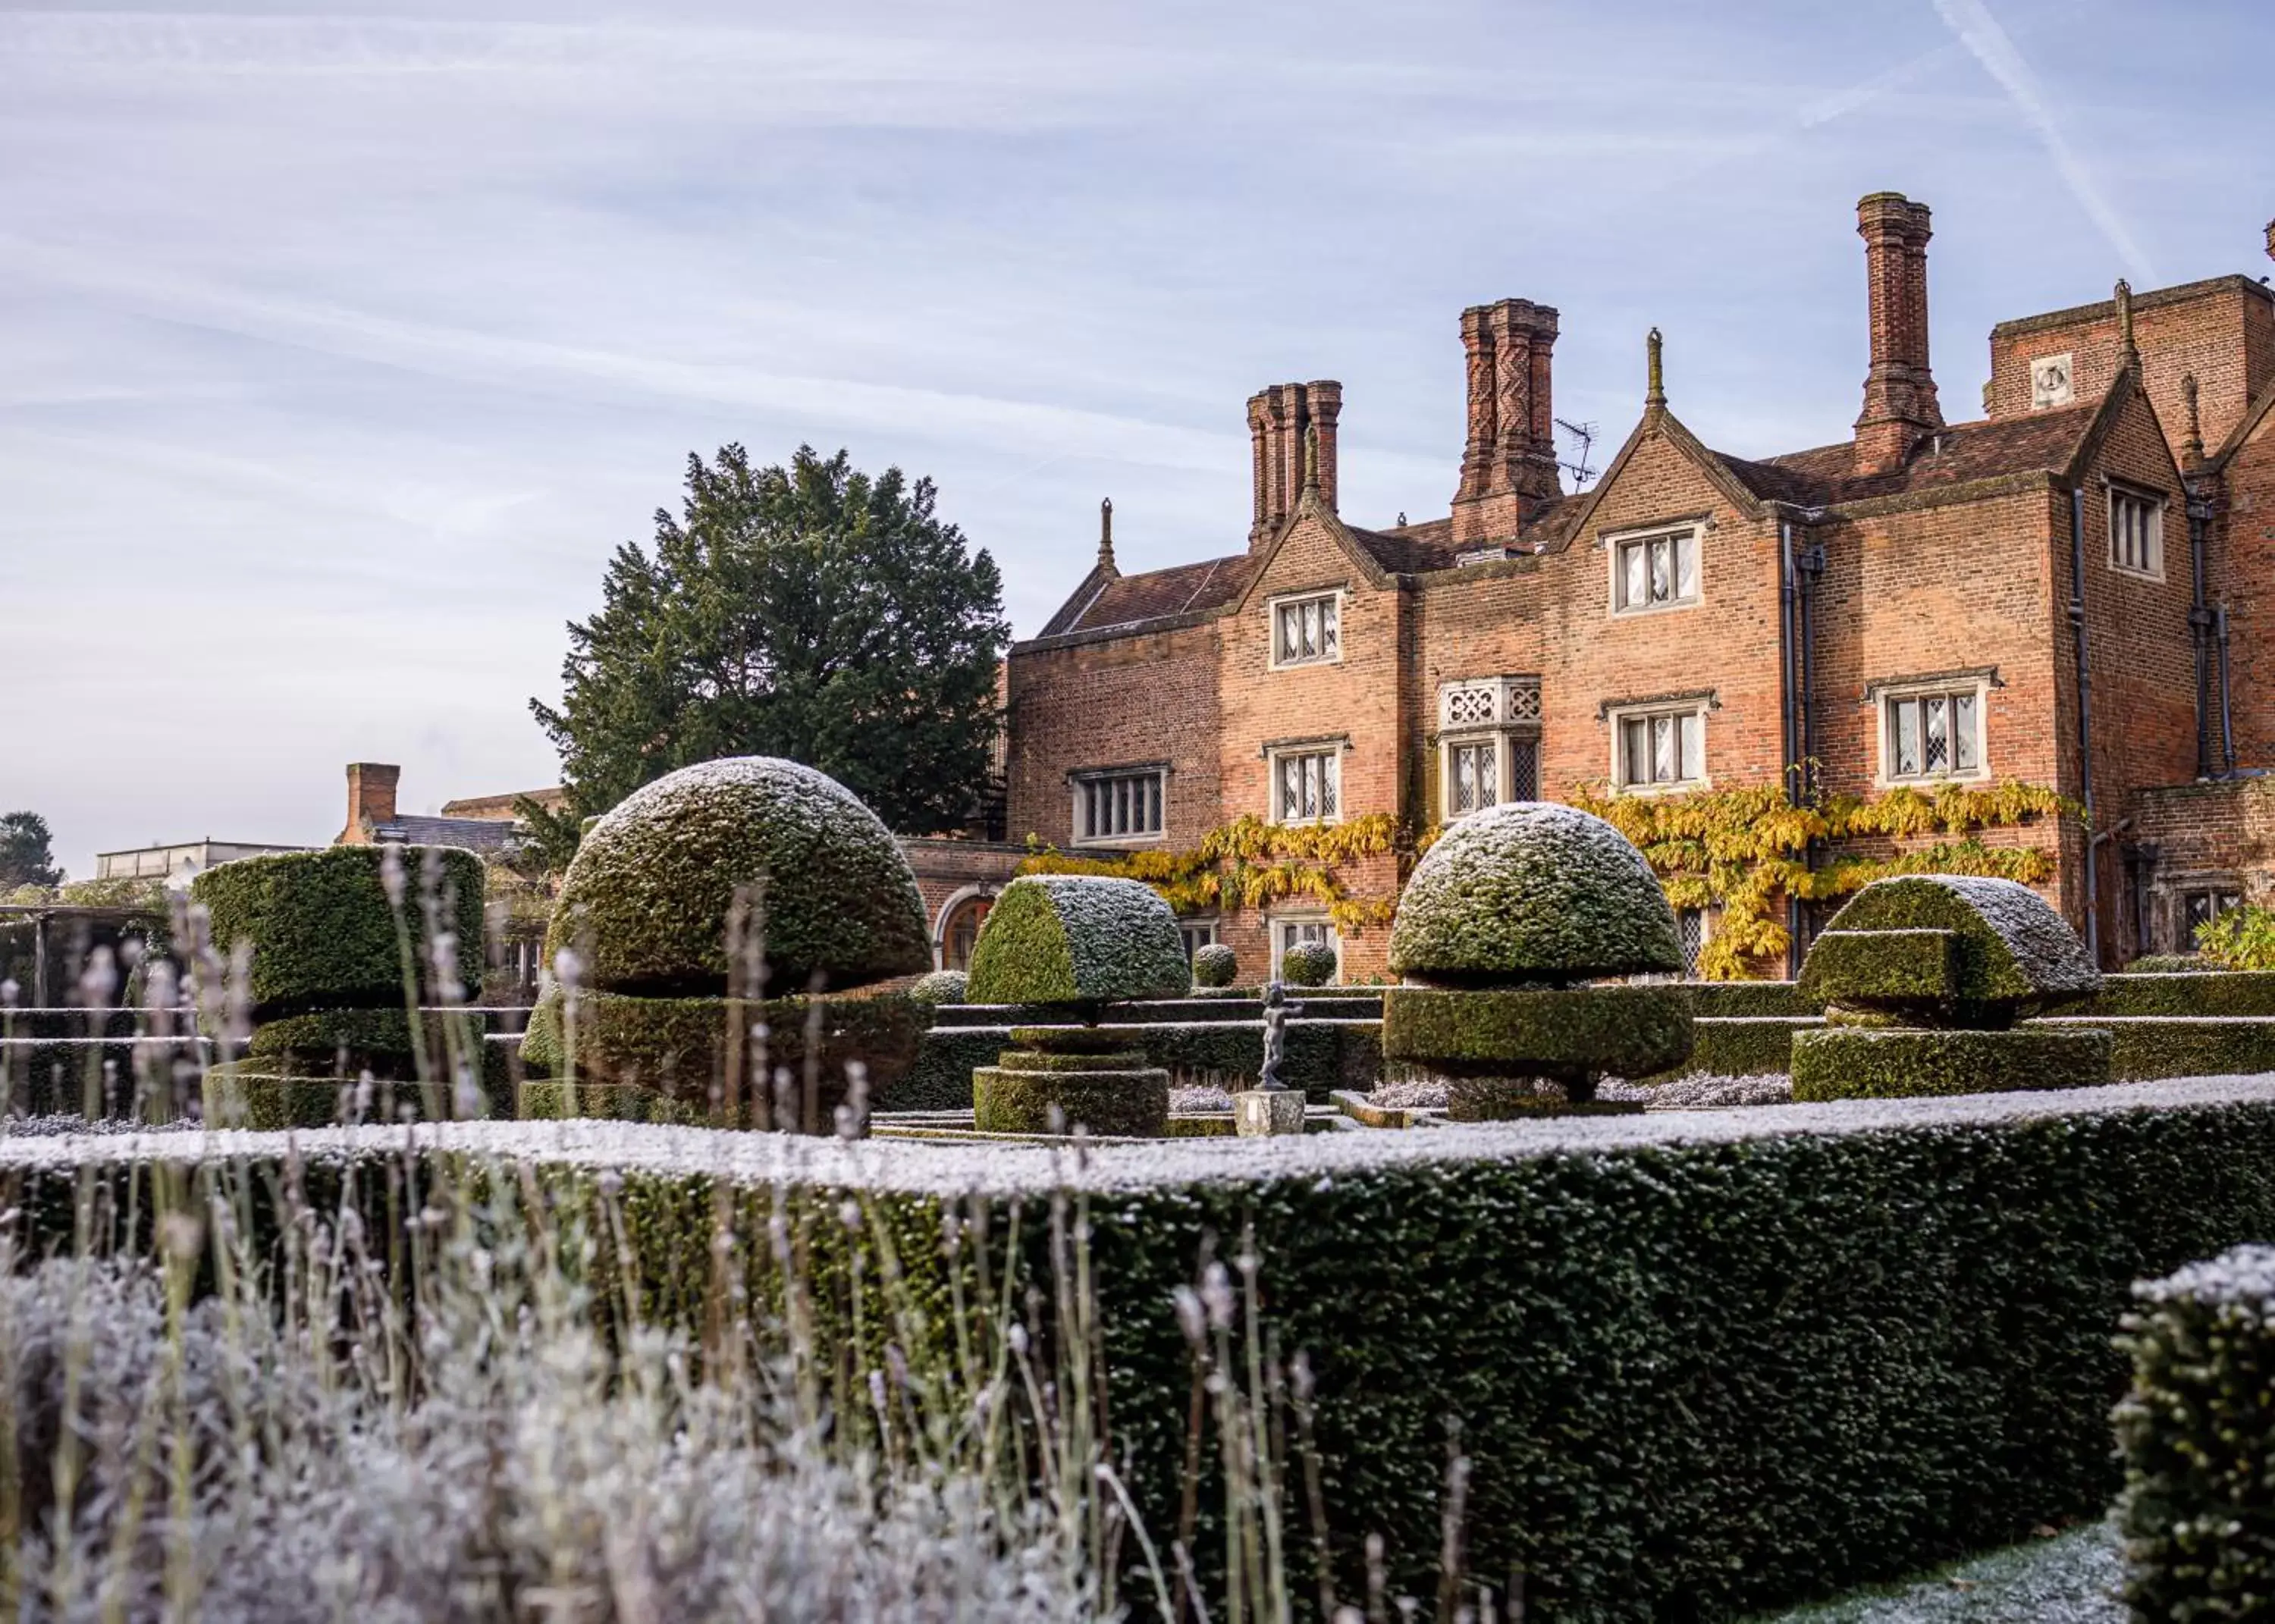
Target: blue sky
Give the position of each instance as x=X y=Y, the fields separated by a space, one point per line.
x=338 y=349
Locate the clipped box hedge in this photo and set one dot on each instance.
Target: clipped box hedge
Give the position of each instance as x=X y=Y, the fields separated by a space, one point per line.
x=1896 y=1062
x=1703 y=1364
x=2197 y=1432
x=1322 y=1056
x=2198 y=993
x=1736 y=999
x=1744 y=1046
x=2143 y=1048
x=323 y=933
x=52 y=1076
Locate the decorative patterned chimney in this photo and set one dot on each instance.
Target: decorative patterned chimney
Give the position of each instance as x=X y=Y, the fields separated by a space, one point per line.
x=1508 y=464
x=1900 y=403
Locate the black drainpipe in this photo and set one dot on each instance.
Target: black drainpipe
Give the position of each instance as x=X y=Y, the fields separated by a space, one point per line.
x=2084 y=715
x=1789 y=707
x=2200 y=620
x=2226 y=713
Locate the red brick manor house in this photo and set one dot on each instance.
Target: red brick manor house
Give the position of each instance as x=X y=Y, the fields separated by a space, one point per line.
x=2072 y=591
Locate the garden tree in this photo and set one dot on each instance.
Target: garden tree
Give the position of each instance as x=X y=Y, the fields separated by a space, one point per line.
x=811 y=612
x=27 y=861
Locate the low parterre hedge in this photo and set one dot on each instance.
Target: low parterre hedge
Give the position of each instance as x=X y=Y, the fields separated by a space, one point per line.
x=1321 y=1056
x=2197 y=1432
x=2145 y=1048
x=2196 y=993
x=1700 y=1364
x=58 y=1077
x=1896 y=1062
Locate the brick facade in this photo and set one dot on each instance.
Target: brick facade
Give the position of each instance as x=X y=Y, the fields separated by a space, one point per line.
x=1819 y=590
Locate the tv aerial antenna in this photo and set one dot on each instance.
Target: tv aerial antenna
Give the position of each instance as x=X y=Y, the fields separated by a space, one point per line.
x=1583 y=435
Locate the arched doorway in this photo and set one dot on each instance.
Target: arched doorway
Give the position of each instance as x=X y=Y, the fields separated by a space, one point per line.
x=959 y=930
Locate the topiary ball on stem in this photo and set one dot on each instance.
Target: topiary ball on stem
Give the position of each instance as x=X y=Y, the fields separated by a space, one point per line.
x=1506 y=917
x=1077 y=942
x=1216 y=966
x=1308 y=963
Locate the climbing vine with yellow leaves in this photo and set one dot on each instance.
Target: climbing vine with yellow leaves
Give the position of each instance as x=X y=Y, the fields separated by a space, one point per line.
x=1738 y=850
x=1249 y=863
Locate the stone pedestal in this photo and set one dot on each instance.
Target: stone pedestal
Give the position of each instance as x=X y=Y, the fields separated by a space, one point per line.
x=1261 y=1112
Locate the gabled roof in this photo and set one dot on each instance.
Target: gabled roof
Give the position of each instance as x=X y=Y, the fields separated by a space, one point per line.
x=1826 y=476
x=1131 y=601
x=2246 y=427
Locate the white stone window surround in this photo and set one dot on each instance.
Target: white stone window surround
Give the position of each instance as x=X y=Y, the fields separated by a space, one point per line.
x=1673 y=740
x=1317 y=617
x=1488 y=740
x=2052 y=379
x=2134 y=515
x=1889 y=698
x=1656 y=569
x=1311 y=770
x=1085 y=782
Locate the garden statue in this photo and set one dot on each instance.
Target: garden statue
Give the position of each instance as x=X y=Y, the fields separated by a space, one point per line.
x=1923 y=978
x=1074 y=944
x=1507 y=920
x=714 y=912
x=1271 y=1106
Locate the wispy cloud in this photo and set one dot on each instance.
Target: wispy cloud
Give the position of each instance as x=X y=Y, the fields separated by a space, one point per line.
x=1982 y=34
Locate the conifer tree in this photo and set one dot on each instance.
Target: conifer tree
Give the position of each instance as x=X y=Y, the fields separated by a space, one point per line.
x=808 y=611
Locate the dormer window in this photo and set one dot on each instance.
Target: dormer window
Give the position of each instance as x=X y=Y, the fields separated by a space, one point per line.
x=1307 y=631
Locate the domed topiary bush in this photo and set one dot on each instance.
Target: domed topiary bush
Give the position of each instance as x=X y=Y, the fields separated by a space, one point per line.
x=648 y=895
x=1923 y=976
x=1215 y=967
x=336 y=967
x=941 y=987
x=1505 y=919
x=650 y=902
x=1077 y=942
x=1308 y=963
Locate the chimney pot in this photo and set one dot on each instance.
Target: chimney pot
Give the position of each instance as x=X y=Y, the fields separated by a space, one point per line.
x=2271 y=239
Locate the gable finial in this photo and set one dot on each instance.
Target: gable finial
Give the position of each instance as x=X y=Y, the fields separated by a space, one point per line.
x=1106 y=537
x=2129 y=355
x=2192 y=439
x=1310 y=456
x=1655 y=390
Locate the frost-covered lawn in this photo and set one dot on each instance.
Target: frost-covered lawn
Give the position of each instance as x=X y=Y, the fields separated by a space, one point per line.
x=2071 y=1579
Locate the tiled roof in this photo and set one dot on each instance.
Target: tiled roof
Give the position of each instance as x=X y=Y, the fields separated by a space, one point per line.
x=2039 y=442
x=1157 y=594
x=482 y=835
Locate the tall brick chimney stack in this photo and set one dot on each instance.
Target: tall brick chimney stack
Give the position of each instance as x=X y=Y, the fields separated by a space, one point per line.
x=1900 y=403
x=1510 y=458
x=1278 y=419
x=370 y=796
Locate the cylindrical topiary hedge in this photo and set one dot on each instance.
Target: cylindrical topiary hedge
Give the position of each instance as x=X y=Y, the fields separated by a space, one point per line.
x=1109 y=1094
x=679 y=1048
x=1632 y=1032
x=324 y=934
